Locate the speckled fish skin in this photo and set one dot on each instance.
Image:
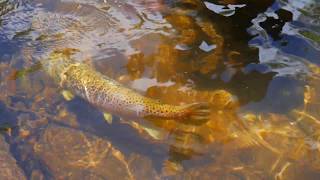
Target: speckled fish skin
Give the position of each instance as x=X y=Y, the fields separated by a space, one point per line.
x=110 y=95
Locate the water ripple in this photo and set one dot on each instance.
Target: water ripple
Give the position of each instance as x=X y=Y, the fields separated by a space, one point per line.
x=93 y=27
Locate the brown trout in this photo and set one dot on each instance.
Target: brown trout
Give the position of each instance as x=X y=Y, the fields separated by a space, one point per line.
x=111 y=96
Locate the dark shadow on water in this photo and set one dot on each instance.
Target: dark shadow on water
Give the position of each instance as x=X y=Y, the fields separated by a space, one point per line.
x=283 y=95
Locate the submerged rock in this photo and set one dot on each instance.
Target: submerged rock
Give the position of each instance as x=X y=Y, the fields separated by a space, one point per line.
x=9 y=169
x=73 y=154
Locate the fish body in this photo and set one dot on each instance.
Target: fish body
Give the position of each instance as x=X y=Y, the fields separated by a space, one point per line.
x=111 y=96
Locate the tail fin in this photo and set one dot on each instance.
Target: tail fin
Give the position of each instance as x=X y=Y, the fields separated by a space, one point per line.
x=196 y=113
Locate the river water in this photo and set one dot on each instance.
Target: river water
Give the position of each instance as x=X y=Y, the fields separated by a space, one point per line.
x=255 y=63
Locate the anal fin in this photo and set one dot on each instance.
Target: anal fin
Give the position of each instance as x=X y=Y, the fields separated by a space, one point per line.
x=107 y=117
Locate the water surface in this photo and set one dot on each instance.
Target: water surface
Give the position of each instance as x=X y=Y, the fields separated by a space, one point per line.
x=256 y=63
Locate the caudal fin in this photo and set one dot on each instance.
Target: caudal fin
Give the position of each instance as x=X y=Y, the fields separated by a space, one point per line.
x=196 y=113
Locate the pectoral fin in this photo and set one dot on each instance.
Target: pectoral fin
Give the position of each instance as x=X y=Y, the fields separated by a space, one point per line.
x=67 y=95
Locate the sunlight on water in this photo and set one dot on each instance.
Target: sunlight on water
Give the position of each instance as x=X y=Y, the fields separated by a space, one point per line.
x=255 y=64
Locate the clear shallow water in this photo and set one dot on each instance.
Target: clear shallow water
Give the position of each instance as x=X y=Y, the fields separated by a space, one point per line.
x=256 y=63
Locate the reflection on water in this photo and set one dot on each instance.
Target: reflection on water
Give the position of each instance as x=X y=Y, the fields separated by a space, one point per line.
x=255 y=63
